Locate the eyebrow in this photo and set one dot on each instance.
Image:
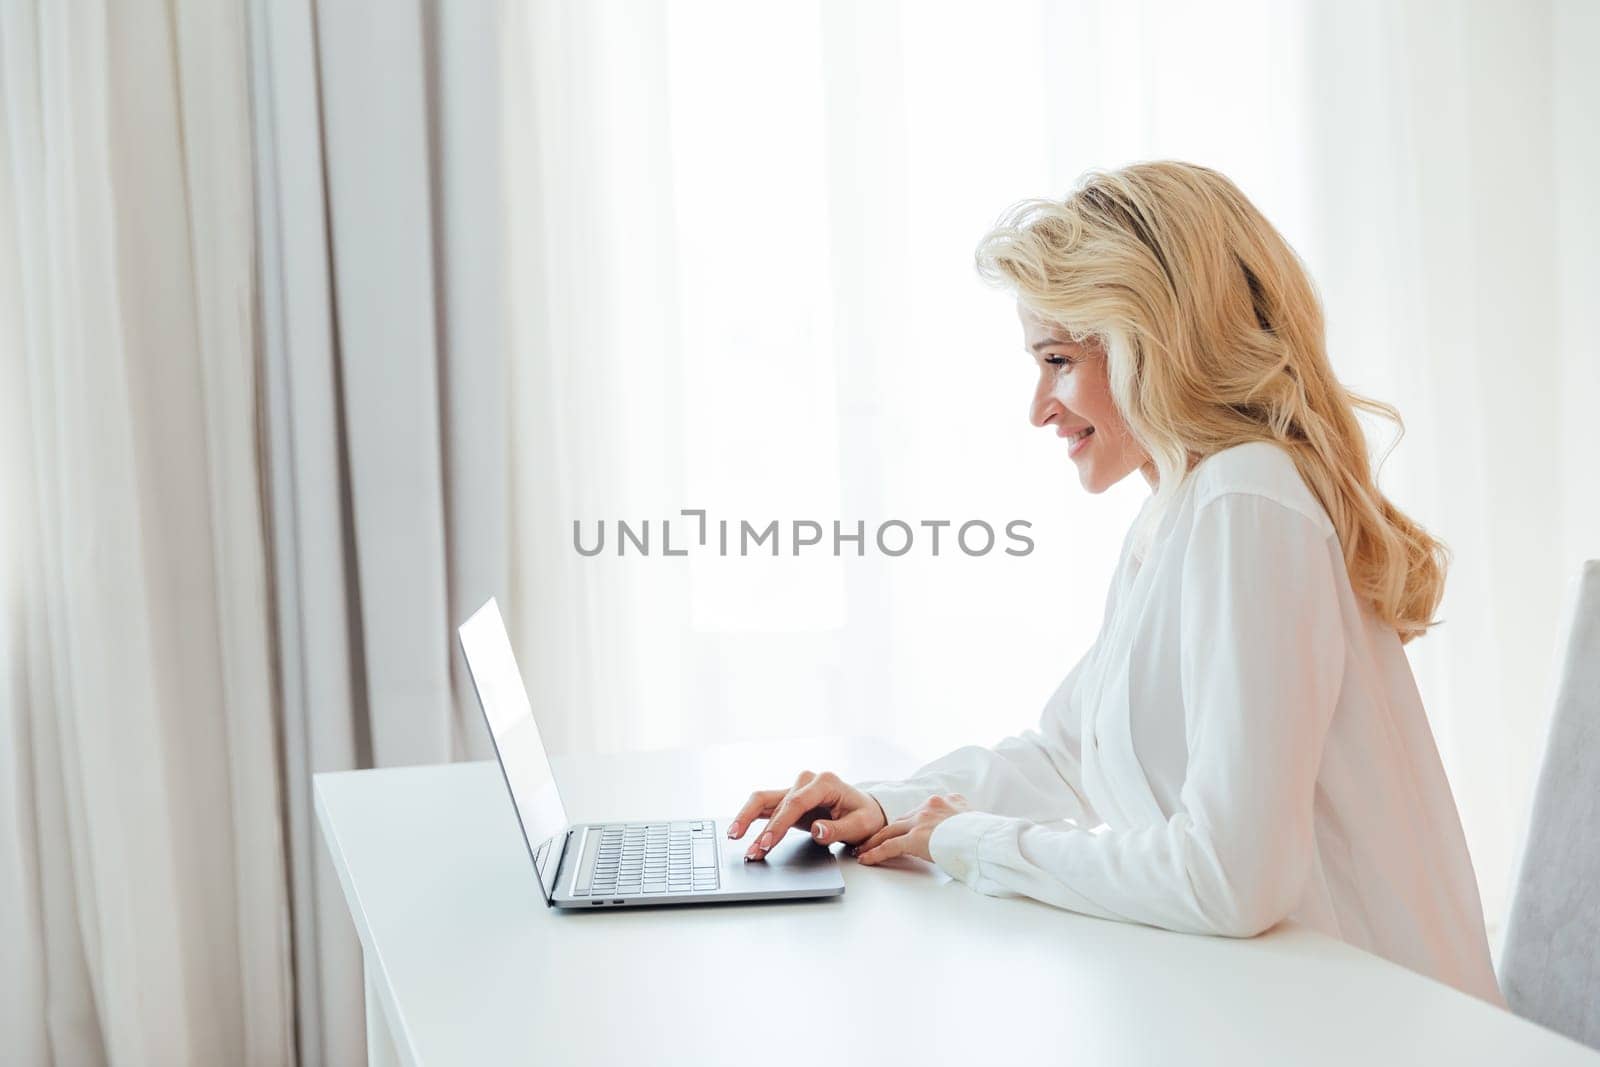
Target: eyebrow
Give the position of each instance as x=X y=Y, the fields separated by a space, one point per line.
x=1047 y=342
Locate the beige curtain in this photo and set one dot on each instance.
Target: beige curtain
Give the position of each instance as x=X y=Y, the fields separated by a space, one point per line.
x=142 y=880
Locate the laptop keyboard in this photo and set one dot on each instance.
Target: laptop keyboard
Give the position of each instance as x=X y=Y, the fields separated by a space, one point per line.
x=650 y=858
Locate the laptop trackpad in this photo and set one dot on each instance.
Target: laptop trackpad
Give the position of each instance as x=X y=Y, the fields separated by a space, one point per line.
x=797 y=862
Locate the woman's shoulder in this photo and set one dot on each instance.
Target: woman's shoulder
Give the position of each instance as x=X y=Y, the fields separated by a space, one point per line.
x=1256 y=469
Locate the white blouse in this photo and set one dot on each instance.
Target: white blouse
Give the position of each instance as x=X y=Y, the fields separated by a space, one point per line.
x=1243 y=743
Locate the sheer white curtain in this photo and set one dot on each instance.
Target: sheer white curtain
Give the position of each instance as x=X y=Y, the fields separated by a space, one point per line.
x=740 y=252
x=1459 y=268
x=741 y=246
x=142 y=890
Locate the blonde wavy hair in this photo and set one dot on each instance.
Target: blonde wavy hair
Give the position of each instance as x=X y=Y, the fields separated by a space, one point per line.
x=1214 y=337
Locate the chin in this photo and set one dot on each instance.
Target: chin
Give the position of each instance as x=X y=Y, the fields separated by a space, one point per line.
x=1095 y=479
x=1091 y=483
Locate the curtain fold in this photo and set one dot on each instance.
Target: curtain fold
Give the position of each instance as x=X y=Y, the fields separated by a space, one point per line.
x=385 y=450
x=316 y=640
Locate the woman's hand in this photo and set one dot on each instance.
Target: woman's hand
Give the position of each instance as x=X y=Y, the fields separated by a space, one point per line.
x=909 y=836
x=824 y=805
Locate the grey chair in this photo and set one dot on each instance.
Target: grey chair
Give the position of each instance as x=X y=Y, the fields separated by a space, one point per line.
x=1550 y=962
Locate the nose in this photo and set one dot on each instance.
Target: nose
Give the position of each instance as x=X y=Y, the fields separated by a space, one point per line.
x=1045 y=409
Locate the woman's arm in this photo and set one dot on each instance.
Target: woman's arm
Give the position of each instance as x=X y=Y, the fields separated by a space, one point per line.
x=1262 y=654
x=1036 y=775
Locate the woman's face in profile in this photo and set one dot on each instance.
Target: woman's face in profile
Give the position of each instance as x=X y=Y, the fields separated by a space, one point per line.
x=1073 y=395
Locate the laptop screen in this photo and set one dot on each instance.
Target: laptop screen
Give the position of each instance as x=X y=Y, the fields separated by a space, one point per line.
x=516 y=739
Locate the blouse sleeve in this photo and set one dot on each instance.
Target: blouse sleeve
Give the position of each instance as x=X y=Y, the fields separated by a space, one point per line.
x=1261 y=658
x=1035 y=775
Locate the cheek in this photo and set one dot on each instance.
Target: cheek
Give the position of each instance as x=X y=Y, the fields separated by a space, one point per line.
x=1061 y=387
x=1094 y=397
x=1076 y=391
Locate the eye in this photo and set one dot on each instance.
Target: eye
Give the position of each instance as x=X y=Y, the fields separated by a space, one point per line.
x=1059 y=361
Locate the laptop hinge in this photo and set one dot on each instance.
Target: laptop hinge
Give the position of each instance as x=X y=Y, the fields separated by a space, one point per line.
x=561 y=863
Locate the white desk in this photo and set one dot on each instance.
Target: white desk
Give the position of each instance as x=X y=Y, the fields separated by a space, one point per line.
x=466 y=965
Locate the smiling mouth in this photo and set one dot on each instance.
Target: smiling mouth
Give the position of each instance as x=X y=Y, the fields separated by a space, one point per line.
x=1076 y=442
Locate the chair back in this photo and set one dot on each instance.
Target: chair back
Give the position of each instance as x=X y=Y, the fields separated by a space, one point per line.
x=1550 y=960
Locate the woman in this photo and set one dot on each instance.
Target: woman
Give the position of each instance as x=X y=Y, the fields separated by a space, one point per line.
x=1244 y=742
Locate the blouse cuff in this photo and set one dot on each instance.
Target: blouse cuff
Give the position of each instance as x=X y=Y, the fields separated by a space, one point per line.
x=897 y=799
x=955 y=843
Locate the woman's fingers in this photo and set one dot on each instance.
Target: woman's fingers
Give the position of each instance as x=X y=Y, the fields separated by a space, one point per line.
x=888 y=850
x=852 y=826
x=761 y=804
x=810 y=792
x=893 y=830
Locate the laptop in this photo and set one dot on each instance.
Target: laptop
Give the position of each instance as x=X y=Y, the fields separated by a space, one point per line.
x=619 y=864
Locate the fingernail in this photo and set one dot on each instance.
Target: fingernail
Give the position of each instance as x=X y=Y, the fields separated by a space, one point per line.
x=765 y=842
x=733 y=829
x=820 y=832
